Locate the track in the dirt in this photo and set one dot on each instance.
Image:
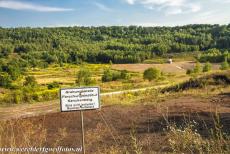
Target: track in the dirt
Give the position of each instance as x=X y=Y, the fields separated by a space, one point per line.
x=29 y=110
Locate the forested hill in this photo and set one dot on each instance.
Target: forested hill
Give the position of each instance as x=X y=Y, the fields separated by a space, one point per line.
x=42 y=46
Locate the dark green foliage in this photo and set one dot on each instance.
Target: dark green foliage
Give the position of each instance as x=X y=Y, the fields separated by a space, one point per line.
x=5 y=80
x=107 y=76
x=213 y=79
x=224 y=65
x=189 y=71
x=125 y=75
x=28 y=94
x=207 y=67
x=84 y=77
x=119 y=44
x=197 y=69
x=152 y=74
x=214 y=55
x=53 y=85
x=111 y=75
x=30 y=81
x=161 y=49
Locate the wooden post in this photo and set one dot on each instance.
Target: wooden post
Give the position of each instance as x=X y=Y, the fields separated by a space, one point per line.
x=83 y=133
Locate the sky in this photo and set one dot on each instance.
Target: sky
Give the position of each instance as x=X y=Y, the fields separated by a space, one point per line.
x=63 y=13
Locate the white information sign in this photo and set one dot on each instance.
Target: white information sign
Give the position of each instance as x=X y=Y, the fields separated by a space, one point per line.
x=76 y=99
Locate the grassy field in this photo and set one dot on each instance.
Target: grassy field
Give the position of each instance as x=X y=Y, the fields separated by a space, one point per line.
x=66 y=76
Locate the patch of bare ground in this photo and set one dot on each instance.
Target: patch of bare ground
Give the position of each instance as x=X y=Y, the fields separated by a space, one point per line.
x=178 y=67
x=111 y=127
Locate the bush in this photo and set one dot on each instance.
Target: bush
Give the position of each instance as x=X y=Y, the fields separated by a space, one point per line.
x=30 y=81
x=124 y=75
x=207 y=67
x=84 y=77
x=107 y=76
x=53 y=85
x=5 y=80
x=189 y=71
x=224 y=65
x=115 y=75
x=197 y=68
x=152 y=74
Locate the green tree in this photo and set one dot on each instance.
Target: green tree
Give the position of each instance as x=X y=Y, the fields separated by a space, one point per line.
x=84 y=77
x=152 y=74
x=207 y=67
x=161 y=49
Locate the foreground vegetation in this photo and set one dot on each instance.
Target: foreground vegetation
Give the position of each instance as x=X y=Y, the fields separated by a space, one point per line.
x=190 y=134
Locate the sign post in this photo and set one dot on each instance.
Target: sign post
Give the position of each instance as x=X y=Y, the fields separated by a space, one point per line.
x=83 y=132
x=80 y=99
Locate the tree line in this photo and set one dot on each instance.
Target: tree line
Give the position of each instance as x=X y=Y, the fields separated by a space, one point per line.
x=21 y=48
x=120 y=44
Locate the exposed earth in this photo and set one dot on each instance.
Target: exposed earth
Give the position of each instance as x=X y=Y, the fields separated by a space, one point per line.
x=111 y=125
x=178 y=67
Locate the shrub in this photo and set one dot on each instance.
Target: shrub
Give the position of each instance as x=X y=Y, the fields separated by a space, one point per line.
x=84 y=77
x=152 y=74
x=107 y=76
x=53 y=85
x=30 y=81
x=207 y=67
x=189 y=71
x=110 y=75
x=5 y=80
x=197 y=68
x=224 y=65
x=124 y=75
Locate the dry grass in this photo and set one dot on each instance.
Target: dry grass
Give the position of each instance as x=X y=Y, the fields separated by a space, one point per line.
x=21 y=134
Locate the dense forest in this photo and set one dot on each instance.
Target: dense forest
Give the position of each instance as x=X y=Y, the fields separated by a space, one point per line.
x=103 y=44
x=38 y=47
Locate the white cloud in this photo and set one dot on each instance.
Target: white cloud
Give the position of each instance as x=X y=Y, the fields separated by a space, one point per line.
x=130 y=1
x=146 y=24
x=169 y=7
x=174 y=11
x=16 y=5
x=103 y=7
x=210 y=17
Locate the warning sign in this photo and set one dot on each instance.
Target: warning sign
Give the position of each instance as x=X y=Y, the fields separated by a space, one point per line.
x=76 y=99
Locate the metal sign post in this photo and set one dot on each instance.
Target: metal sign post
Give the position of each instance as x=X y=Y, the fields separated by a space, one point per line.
x=80 y=99
x=83 y=132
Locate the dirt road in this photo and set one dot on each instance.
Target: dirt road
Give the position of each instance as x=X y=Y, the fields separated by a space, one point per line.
x=28 y=110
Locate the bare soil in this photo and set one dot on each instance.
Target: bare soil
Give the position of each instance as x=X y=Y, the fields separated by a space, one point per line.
x=176 y=67
x=111 y=125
